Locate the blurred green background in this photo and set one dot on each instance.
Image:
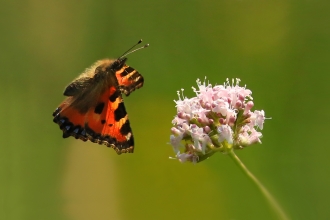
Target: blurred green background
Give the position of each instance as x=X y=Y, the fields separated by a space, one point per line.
x=280 y=49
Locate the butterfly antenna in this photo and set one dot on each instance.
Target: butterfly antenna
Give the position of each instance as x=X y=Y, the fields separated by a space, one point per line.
x=129 y=52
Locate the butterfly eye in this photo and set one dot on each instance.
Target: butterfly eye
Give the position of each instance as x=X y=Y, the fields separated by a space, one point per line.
x=118 y=64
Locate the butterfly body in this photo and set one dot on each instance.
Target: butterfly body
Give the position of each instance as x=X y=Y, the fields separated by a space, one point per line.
x=94 y=109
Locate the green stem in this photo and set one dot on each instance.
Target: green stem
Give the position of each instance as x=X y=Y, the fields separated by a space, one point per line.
x=273 y=203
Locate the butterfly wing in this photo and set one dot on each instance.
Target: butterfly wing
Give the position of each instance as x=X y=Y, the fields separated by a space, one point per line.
x=129 y=79
x=108 y=123
x=70 y=120
x=99 y=115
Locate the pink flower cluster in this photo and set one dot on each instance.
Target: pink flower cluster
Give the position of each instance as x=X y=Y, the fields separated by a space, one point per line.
x=218 y=119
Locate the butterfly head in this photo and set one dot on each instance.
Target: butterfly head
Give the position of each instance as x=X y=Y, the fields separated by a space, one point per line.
x=119 y=63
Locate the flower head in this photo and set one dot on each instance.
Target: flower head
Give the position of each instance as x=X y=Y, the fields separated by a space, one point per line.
x=217 y=119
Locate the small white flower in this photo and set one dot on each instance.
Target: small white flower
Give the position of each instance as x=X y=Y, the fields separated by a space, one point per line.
x=220 y=106
x=175 y=141
x=259 y=118
x=187 y=157
x=248 y=136
x=225 y=133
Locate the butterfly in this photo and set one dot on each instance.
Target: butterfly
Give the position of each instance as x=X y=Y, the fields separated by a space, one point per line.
x=94 y=109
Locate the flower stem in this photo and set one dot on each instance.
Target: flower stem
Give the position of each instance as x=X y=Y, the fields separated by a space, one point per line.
x=273 y=203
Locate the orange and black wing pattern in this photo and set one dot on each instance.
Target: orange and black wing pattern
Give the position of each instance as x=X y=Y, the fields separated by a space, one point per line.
x=129 y=79
x=105 y=122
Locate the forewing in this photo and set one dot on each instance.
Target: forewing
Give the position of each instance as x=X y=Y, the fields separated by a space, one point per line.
x=129 y=79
